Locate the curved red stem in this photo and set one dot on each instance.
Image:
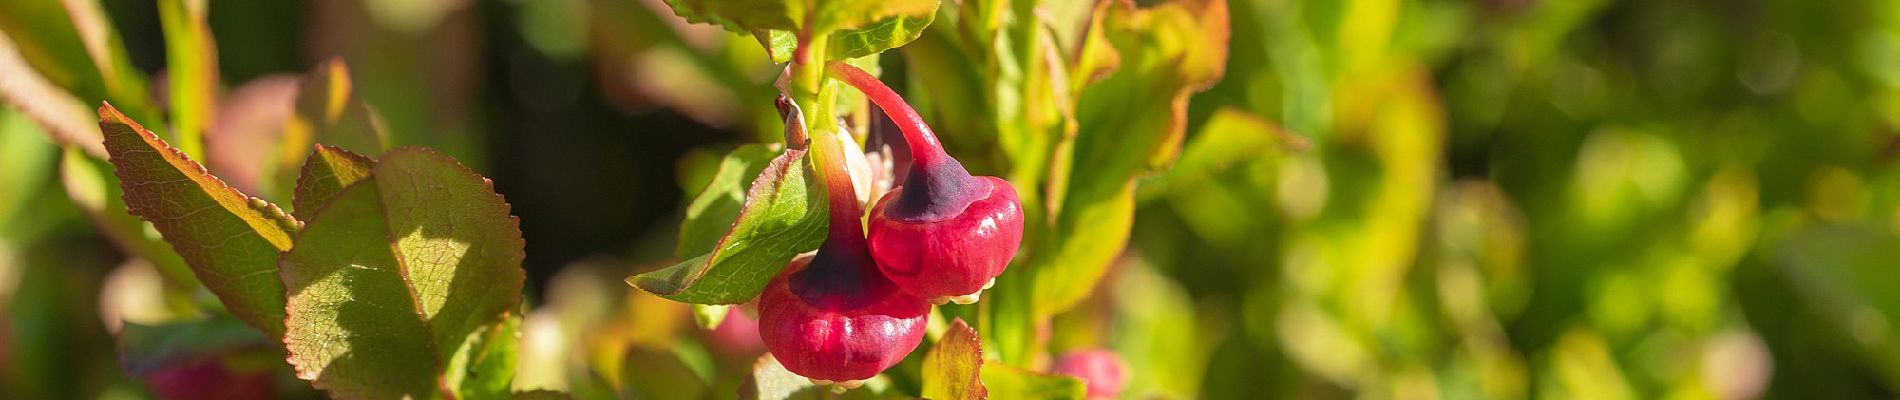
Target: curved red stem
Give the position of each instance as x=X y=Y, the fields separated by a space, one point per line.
x=924 y=148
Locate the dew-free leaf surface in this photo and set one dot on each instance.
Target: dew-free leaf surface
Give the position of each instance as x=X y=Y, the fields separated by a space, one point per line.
x=230 y=240
x=713 y=210
x=783 y=215
x=391 y=279
x=325 y=173
x=952 y=370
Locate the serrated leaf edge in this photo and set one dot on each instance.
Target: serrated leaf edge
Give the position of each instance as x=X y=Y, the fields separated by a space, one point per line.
x=774 y=171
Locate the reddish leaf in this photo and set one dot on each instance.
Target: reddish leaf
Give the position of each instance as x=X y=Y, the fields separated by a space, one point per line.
x=230 y=240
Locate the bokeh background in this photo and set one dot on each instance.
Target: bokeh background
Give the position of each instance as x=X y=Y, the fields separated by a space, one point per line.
x=1492 y=199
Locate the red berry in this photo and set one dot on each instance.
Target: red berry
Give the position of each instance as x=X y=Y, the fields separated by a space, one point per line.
x=838 y=326
x=948 y=257
x=1103 y=371
x=834 y=316
x=944 y=235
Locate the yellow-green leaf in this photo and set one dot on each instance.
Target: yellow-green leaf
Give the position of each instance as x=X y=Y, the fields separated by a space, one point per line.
x=485 y=366
x=952 y=370
x=389 y=280
x=230 y=240
x=1131 y=123
x=325 y=173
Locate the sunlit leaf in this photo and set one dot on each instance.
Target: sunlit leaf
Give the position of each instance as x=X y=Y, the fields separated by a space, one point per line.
x=230 y=240
x=952 y=370
x=391 y=279
x=1135 y=120
x=886 y=34
x=746 y=16
x=1130 y=123
x=784 y=214
x=717 y=205
x=325 y=173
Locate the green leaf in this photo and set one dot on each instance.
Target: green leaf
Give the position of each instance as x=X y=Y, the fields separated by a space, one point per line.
x=712 y=212
x=784 y=214
x=746 y=16
x=886 y=34
x=230 y=240
x=1131 y=123
x=1134 y=121
x=146 y=348
x=855 y=28
x=325 y=173
x=952 y=369
x=390 y=279
x=1009 y=382
x=741 y=16
x=485 y=365
x=192 y=65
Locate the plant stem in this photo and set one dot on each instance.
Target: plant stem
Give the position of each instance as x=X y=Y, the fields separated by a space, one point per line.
x=924 y=147
x=827 y=155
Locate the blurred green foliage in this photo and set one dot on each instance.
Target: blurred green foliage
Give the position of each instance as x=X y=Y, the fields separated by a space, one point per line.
x=1379 y=199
